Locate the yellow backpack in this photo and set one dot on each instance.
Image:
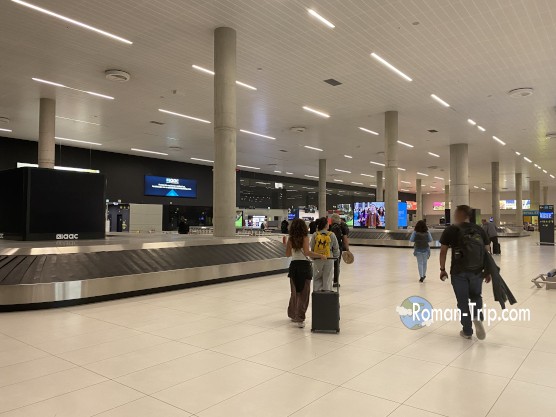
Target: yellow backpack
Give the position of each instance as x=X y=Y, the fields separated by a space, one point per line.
x=323 y=244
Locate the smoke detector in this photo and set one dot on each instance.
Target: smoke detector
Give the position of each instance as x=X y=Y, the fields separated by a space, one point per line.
x=117 y=75
x=551 y=135
x=4 y=121
x=298 y=129
x=521 y=92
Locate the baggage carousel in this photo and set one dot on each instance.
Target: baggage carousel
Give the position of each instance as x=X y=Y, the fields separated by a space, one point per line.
x=53 y=274
x=388 y=238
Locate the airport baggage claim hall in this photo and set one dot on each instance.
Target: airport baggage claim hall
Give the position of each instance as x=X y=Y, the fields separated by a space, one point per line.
x=303 y=208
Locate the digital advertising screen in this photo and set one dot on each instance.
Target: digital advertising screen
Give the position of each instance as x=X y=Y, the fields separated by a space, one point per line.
x=438 y=206
x=239 y=219
x=170 y=187
x=512 y=204
x=411 y=205
x=402 y=214
x=369 y=215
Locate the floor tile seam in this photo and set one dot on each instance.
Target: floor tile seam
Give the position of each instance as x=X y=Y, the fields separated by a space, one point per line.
x=419 y=408
x=143 y=395
x=73 y=366
x=259 y=353
x=431 y=361
x=477 y=371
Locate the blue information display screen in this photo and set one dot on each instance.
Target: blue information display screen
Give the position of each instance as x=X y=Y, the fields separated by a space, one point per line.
x=402 y=214
x=170 y=187
x=546 y=224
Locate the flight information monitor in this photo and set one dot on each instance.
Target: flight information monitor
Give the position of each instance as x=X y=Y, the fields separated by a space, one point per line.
x=170 y=187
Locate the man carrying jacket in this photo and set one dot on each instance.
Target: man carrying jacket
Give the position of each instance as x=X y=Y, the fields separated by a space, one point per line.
x=469 y=245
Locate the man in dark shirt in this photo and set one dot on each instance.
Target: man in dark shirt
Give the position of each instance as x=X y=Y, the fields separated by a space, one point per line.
x=341 y=230
x=467 y=283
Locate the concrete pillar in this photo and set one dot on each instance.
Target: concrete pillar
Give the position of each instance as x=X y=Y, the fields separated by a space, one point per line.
x=459 y=174
x=224 y=172
x=322 y=187
x=545 y=195
x=419 y=198
x=447 y=196
x=535 y=194
x=495 y=170
x=47 y=125
x=379 y=186
x=391 y=186
x=519 y=199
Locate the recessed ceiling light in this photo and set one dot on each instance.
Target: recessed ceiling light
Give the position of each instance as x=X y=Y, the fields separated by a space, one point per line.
x=500 y=141
x=278 y=172
x=183 y=115
x=390 y=67
x=423 y=174
x=313 y=148
x=342 y=170
x=146 y=151
x=551 y=176
x=527 y=159
x=475 y=187
x=207 y=71
x=433 y=187
x=75 y=120
x=322 y=19
x=471 y=122
x=78 y=141
x=289 y=173
x=357 y=183
x=348 y=156
x=434 y=154
x=311 y=176
x=72 y=21
x=484 y=189
x=439 y=178
x=401 y=169
x=518 y=153
x=320 y=113
x=5 y=130
x=405 y=190
x=378 y=163
x=539 y=167
x=202 y=160
x=257 y=134
x=406 y=182
x=405 y=144
x=438 y=99
x=545 y=171
x=482 y=129
x=250 y=87
x=368 y=175
x=337 y=180
x=247 y=167
x=71 y=88
x=372 y=132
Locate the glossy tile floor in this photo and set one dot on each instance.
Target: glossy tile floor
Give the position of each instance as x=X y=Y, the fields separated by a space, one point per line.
x=229 y=350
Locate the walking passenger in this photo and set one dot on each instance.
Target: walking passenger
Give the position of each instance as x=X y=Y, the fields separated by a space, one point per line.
x=421 y=237
x=492 y=233
x=341 y=230
x=300 y=271
x=469 y=244
x=324 y=243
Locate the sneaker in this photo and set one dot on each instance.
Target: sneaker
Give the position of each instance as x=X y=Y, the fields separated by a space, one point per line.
x=422 y=279
x=479 y=329
x=301 y=324
x=336 y=285
x=465 y=336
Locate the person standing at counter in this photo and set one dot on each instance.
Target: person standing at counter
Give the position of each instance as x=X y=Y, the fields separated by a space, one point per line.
x=300 y=270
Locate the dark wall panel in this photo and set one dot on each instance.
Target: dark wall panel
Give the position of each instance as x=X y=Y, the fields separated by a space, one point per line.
x=124 y=173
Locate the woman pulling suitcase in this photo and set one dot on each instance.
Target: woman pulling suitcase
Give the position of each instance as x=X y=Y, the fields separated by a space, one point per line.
x=300 y=271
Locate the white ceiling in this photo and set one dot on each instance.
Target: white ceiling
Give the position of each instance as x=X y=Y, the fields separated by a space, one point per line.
x=468 y=52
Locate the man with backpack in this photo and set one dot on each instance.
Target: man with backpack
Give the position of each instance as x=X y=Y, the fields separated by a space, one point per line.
x=324 y=243
x=469 y=244
x=341 y=230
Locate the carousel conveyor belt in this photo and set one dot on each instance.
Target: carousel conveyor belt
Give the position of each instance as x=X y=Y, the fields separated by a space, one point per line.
x=27 y=279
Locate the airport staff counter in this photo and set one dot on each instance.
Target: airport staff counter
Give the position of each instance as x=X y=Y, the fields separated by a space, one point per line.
x=46 y=274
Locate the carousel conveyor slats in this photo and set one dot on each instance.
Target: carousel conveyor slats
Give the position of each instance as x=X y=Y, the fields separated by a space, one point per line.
x=28 y=279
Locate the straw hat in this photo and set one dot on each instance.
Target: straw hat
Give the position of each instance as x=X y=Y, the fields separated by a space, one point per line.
x=348 y=258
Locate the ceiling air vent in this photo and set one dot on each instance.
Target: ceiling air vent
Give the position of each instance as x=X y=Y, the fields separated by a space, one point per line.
x=154 y=122
x=521 y=92
x=551 y=135
x=333 y=82
x=117 y=75
x=432 y=131
x=283 y=150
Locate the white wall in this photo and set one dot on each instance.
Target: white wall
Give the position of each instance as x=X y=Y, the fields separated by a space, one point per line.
x=145 y=217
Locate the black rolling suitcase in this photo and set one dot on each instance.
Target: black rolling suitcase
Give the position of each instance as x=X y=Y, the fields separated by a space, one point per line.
x=496 y=250
x=326 y=311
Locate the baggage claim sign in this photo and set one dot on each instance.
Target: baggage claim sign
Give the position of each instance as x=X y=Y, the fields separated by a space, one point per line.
x=170 y=187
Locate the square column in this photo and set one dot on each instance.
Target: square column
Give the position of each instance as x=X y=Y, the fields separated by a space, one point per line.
x=47 y=125
x=519 y=199
x=419 y=198
x=391 y=188
x=535 y=194
x=322 y=188
x=379 y=186
x=495 y=170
